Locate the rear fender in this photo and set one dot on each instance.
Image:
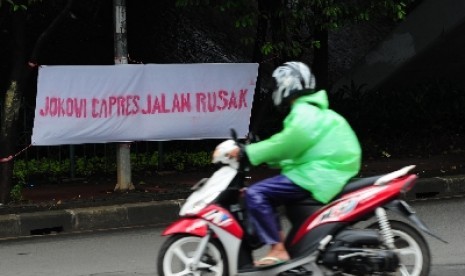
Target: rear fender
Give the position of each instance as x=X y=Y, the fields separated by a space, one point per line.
x=192 y=226
x=401 y=207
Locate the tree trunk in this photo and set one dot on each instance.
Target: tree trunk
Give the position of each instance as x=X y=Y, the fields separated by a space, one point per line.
x=12 y=103
x=20 y=76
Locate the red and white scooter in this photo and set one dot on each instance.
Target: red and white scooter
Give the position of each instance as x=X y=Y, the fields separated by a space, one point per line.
x=214 y=237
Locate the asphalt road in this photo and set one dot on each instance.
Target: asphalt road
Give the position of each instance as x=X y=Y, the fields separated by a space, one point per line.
x=132 y=252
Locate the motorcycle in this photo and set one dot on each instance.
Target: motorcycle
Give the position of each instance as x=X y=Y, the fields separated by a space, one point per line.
x=214 y=236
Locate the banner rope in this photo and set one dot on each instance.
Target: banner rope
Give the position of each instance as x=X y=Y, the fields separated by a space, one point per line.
x=11 y=157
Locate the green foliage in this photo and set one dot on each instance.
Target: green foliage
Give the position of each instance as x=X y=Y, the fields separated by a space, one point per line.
x=181 y=161
x=16 y=192
x=13 y=5
x=53 y=170
x=21 y=176
x=293 y=23
x=141 y=162
x=267 y=48
x=316 y=44
x=245 y=21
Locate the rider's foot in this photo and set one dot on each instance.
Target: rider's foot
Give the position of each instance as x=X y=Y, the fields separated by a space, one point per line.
x=266 y=261
x=278 y=254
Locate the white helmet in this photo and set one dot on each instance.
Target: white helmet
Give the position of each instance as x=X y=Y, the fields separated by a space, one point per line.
x=291 y=78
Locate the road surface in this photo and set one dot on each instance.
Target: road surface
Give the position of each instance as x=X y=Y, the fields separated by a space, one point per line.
x=132 y=252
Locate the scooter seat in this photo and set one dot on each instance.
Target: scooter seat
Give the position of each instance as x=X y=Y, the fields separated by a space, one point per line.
x=352 y=185
x=298 y=211
x=356 y=184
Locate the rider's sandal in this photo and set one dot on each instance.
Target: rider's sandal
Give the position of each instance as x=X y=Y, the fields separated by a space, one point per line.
x=269 y=261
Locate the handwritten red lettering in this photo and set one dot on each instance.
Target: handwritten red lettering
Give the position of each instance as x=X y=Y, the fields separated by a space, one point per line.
x=181 y=105
x=80 y=108
x=211 y=102
x=113 y=101
x=95 y=103
x=104 y=110
x=67 y=107
x=242 y=98
x=56 y=107
x=44 y=111
x=186 y=102
x=223 y=94
x=158 y=106
x=201 y=105
x=149 y=104
x=232 y=101
x=135 y=102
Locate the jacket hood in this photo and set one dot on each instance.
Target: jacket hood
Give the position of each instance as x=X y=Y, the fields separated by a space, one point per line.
x=319 y=98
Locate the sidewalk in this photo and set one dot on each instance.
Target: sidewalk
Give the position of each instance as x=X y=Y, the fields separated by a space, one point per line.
x=87 y=205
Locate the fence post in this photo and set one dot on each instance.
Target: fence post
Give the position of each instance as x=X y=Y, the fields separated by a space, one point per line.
x=161 y=164
x=72 y=162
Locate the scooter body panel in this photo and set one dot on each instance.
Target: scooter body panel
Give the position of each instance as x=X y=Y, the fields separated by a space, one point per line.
x=353 y=206
x=192 y=226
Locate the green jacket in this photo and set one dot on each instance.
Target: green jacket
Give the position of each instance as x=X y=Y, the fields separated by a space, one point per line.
x=317 y=149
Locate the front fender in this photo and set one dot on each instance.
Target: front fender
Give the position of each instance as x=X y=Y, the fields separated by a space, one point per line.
x=192 y=226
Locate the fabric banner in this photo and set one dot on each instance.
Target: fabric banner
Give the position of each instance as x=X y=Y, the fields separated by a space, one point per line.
x=153 y=102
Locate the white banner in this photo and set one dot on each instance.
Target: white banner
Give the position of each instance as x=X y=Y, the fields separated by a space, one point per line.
x=97 y=104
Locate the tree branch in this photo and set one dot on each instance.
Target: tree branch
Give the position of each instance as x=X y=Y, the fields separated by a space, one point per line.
x=43 y=37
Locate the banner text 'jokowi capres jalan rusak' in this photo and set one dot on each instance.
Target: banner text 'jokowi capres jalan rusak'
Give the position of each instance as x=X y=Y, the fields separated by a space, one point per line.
x=98 y=104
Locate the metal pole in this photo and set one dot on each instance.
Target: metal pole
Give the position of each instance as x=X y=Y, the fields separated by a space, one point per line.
x=123 y=152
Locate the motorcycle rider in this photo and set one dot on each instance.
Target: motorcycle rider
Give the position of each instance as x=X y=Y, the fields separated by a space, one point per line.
x=317 y=152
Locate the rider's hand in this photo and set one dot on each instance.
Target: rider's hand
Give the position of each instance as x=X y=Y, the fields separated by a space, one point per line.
x=235 y=153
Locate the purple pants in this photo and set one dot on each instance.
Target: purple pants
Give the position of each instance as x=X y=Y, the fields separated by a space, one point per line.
x=263 y=197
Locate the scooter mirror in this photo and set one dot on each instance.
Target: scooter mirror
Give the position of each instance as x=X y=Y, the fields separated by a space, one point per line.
x=234 y=135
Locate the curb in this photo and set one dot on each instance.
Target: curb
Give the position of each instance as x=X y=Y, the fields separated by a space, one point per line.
x=437 y=187
x=88 y=219
x=162 y=212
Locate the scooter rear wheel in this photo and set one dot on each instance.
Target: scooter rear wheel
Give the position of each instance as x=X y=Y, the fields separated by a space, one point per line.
x=176 y=255
x=412 y=249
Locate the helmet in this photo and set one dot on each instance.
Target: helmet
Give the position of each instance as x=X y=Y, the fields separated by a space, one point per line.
x=292 y=79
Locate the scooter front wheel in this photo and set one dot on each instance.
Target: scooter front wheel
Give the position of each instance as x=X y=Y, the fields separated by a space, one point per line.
x=176 y=257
